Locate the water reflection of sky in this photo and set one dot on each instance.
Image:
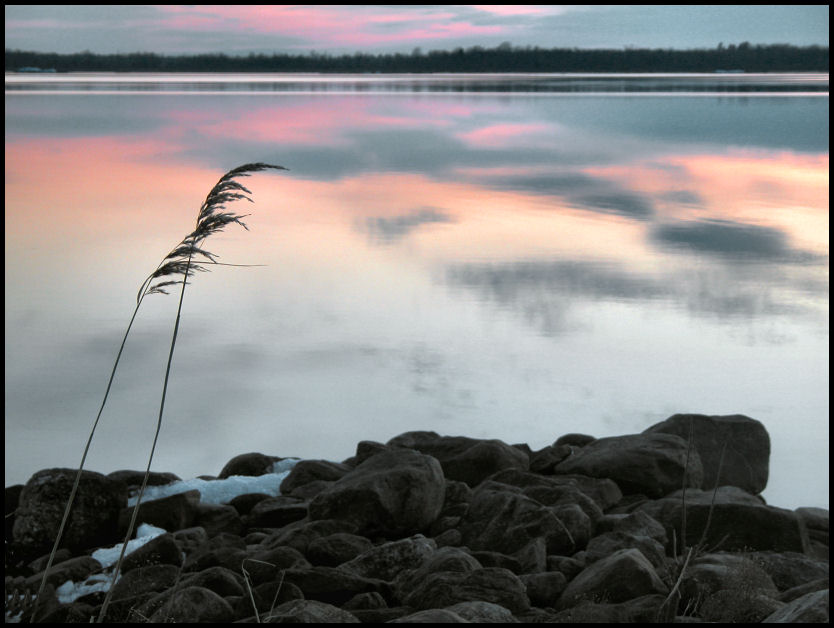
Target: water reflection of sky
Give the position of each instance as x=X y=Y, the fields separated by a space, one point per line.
x=509 y=266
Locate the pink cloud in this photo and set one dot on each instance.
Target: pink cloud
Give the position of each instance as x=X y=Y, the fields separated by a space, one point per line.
x=345 y=25
x=498 y=135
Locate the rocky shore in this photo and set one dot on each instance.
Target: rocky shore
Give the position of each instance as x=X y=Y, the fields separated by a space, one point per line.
x=429 y=528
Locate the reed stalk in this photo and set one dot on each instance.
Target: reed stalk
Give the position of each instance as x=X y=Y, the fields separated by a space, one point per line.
x=212 y=218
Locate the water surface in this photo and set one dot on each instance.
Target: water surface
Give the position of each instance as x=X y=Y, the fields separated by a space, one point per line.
x=511 y=257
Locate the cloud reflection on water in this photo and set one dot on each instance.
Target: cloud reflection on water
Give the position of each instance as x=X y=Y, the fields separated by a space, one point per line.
x=422 y=256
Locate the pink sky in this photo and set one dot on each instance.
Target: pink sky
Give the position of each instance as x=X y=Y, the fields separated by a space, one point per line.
x=339 y=29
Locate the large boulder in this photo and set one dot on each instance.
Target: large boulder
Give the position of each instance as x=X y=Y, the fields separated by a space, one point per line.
x=649 y=464
x=728 y=588
x=810 y=608
x=310 y=612
x=393 y=494
x=464 y=459
x=445 y=588
x=252 y=464
x=92 y=521
x=730 y=519
x=624 y=575
x=501 y=518
x=744 y=442
x=386 y=561
x=306 y=471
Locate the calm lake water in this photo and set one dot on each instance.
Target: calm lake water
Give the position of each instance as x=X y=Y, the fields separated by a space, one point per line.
x=503 y=256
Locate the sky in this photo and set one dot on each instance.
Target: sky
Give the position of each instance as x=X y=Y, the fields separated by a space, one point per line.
x=345 y=29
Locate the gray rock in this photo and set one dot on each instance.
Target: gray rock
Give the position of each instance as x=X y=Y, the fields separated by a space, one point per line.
x=386 y=561
x=336 y=549
x=252 y=464
x=173 y=512
x=431 y=616
x=479 y=612
x=306 y=471
x=93 y=519
x=161 y=550
x=393 y=494
x=500 y=518
x=624 y=575
x=194 y=605
x=739 y=521
x=744 y=441
x=810 y=608
x=310 y=612
x=727 y=587
x=650 y=464
x=464 y=459
x=445 y=588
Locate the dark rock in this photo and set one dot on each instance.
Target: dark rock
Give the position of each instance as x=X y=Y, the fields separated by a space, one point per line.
x=744 y=442
x=444 y=559
x=266 y=596
x=225 y=550
x=310 y=612
x=380 y=615
x=253 y=464
x=149 y=579
x=481 y=612
x=444 y=588
x=545 y=460
x=93 y=519
x=300 y=534
x=194 y=605
x=640 y=610
x=651 y=464
x=606 y=544
x=267 y=564
x=726 y=587
x=306 y=471
x=622 y=576
x=244 y=503
x=464 y=459
x=386 y=561
x=497 y=559
x=161 y=550
x=367 y=448
x=544 y=588
x=221 y=580
x=331 y=584
x=803 y=589
x=218 y=518
x=739 y=521
x=790 y=569
x=134 y=479
x=430 y=616
x=190 y=539
x=365 y=601
x=173 y=512
x=276 y=512
x=500 y=518
x=336 y=549
x=574 y=440
x=810 y=608
x=71 y=569
x=393 y=494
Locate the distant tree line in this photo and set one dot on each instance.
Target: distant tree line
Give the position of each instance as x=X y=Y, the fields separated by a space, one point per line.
x=503 y=58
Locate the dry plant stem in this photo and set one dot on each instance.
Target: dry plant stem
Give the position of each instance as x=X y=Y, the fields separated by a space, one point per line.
x=209 y=220
x=81 y=466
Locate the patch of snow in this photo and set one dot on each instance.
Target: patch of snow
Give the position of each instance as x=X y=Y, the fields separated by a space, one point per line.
x=224 y=491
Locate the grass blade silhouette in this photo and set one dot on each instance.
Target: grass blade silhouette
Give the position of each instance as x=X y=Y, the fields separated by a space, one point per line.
x=212 y=218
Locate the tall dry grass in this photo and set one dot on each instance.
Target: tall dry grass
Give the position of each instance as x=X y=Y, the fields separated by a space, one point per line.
x=186 y=259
